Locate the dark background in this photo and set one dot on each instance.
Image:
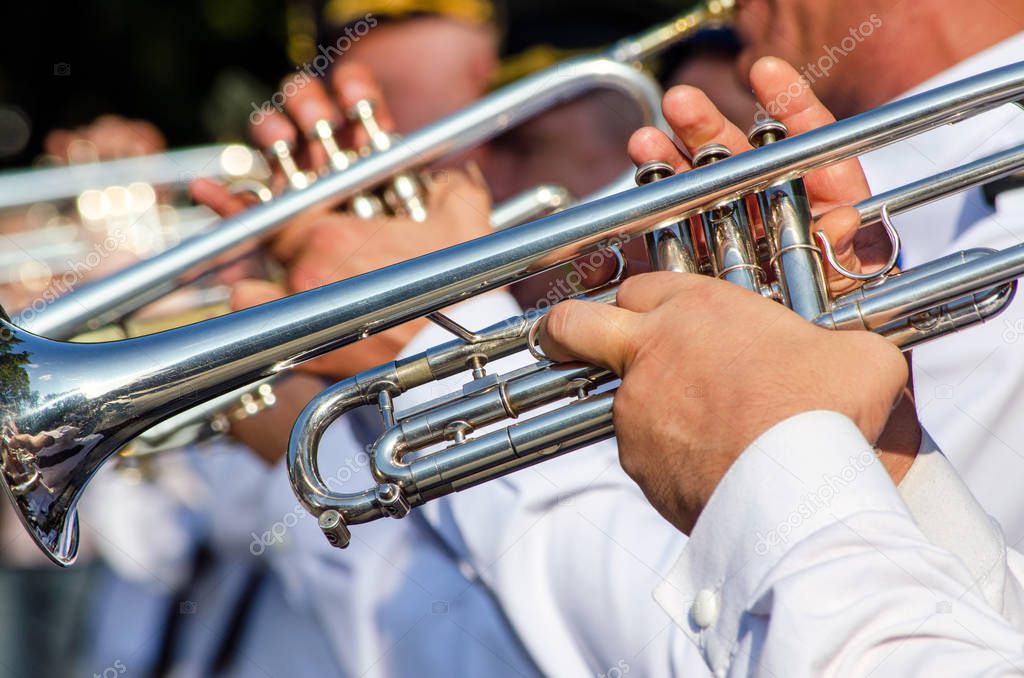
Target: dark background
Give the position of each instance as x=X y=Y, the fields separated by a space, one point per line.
x=191 y=67
x=194 y=67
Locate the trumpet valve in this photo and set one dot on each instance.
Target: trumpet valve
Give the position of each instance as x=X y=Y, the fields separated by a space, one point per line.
x=653 y=171
x=710 y=153
x=406 y=194
x=282 y=152
x=766 y=132
x=323 y=131
x=363 y=112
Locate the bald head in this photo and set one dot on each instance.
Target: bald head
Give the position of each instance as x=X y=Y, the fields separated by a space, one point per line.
x=858 y=54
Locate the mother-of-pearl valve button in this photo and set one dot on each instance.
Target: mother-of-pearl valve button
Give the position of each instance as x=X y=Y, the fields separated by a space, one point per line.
x=705 y=608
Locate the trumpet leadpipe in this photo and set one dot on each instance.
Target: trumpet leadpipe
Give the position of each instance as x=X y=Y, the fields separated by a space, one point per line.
x=639 y=48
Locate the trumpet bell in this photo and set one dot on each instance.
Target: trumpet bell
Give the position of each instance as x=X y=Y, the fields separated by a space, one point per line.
x=58 y=424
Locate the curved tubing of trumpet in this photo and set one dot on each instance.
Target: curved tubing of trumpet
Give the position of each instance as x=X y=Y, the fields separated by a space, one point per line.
x=403 y=485
x=98 y=303
x=497 y=341
x=949 y=317
x=973 y=277
x=111 y=392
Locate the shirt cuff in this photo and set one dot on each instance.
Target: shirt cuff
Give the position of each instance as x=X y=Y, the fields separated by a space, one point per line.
x=952 y=519
x=805 y=473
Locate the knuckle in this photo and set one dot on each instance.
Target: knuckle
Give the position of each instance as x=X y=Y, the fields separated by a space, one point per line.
x=629 y=289
x=558 y=325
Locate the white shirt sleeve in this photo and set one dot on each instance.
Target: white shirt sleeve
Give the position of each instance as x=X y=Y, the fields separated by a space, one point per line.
x=807 y=562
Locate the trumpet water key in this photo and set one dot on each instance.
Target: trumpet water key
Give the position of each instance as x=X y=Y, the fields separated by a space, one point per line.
x=67 y=408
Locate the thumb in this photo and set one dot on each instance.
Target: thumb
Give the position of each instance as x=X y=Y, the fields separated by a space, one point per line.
x=590 y=332
x=249 y=293
x=840 y=227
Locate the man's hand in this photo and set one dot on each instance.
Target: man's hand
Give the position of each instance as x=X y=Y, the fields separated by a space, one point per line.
x=706 y=368
x=326 y=247
x=697 y=122
x=106 y=138
x=341 y=246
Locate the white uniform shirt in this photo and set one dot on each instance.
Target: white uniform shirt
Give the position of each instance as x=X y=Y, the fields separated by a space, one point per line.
x=806 y=562
x=969 y=387
x=571 y=551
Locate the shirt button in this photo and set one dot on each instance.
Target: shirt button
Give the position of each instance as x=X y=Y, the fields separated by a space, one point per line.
x=705 y=608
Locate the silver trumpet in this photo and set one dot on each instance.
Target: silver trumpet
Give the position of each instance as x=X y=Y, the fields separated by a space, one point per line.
x=171 y=169
x=66 y=408
x=391 y=167
x=431 y=451
x=105 y=301
x=214 y=418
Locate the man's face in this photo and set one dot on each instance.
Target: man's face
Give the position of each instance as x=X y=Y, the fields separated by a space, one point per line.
x=793 y=30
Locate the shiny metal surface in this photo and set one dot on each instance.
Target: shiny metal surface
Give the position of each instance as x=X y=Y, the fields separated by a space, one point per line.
x=20 y=188
x=786 y=215
x=728 y=234
x=66 y=408
x=908 y=308
x=529 y=205
x=669 y=247
x=105 y=300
